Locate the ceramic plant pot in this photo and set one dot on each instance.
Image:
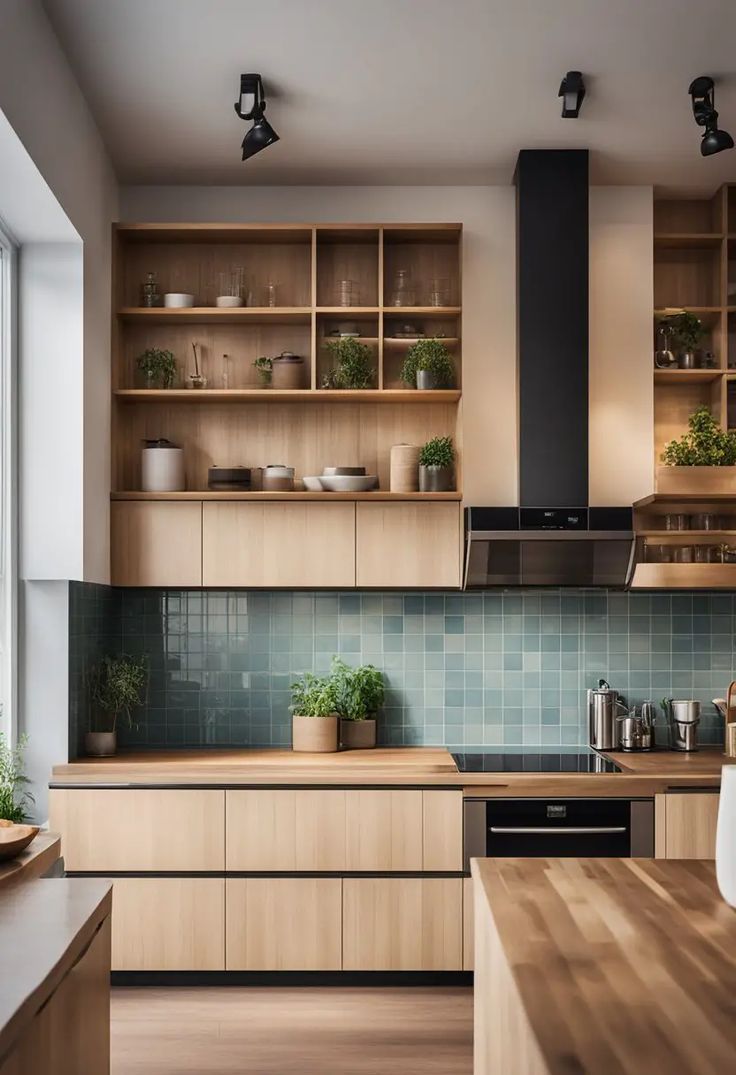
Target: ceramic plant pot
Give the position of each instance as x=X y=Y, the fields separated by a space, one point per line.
x=100 y=744
x=314 y=735
x=436 y=479
x=358 y=734
x=426 y=380
x=685 y=480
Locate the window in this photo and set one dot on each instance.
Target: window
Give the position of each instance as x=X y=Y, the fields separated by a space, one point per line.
x=8 y=490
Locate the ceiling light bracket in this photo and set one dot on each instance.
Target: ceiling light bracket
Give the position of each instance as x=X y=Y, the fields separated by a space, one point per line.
x=572 y=92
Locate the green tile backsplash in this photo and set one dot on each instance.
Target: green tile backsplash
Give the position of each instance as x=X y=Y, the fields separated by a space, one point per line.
x=466 y=670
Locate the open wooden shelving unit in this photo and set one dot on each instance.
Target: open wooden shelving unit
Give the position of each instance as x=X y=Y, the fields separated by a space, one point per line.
x=649 y=526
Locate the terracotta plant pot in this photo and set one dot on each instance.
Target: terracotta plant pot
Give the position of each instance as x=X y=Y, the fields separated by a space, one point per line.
x=358 y=734
x=685 y=480
x=436 y=479
x=100 y=744
x=314 y=735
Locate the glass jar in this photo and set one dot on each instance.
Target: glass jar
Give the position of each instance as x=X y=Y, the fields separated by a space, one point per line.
x=439 y=291
x=403 y=292
x=682 y=554
x=347 y=293
x=706 y=554
x=676 y=522
x=706 y=520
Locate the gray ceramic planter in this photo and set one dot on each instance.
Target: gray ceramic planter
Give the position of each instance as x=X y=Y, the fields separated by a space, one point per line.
x=436 y=479
x=426 y=380
x=100 y=744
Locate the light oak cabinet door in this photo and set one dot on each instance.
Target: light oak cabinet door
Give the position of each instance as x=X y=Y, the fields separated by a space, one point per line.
x=468 y=924
x=285 y=829
x=168 y=923
x=278 y=544
x=686 y=825
x=402 y=923
x=139 y=829
x=284 y=923
x=442 y=830
x=155 y=543
x=384 y=830
x=408 y=544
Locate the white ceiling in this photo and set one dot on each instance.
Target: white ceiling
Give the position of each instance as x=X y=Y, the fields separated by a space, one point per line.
x=401 y=91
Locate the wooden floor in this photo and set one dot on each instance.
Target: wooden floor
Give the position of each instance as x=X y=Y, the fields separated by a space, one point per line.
x=279 y=1031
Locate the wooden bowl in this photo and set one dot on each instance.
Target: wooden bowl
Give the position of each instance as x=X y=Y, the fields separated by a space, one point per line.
x=15 y=838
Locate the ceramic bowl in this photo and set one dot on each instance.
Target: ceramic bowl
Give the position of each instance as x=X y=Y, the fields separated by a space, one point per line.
x=15 y=838
x=349 y=483
x=312 y=484
x=331 y=472
x=228 y=301
x=178 y=300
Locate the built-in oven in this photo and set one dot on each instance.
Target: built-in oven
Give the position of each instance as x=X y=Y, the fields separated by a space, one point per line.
x=558 y=828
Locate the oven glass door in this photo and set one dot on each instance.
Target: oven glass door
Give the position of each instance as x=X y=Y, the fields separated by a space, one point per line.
x=559 y=828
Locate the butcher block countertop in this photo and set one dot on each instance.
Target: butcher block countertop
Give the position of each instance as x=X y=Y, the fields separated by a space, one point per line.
x=390 y=766
x=603 y=966
x=35 y=861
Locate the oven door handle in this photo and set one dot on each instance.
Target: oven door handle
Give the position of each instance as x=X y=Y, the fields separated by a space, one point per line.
x=524 y=830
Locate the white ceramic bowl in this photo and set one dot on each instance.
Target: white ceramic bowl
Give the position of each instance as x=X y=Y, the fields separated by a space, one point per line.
x=312 y=484
x=349 y=483
x=178 y=300
x=228 y=301
x=331 y=472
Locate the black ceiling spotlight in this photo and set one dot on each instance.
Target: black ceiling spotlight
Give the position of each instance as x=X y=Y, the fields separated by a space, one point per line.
x=251 y=105
x=572 y=91
x=702 y=91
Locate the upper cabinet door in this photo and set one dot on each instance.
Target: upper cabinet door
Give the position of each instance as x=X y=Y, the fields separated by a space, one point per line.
x=279 y=544
x=156 y=543
x=408 y=545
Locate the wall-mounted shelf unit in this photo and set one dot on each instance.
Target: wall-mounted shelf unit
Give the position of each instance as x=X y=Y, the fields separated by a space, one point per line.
x=660 y=548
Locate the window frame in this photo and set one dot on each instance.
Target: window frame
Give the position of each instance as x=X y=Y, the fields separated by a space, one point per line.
x=9 y=484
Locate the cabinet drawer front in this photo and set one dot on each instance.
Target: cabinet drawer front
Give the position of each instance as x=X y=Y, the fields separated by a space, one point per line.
x=155 y=543
x=402 y=923
x=168 y=923
x=286 y=830
x=410 y=544
x=690 y=820
x=278 y=544
x=442 y=830
x=139 y=829
x=384 y=830
x=284 y=923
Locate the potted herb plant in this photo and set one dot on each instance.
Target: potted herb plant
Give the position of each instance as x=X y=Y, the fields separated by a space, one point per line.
x=428 y=364
x=314 y=719
x=437 y=466
x=116 y=687
x=353 y=364
x=703 y=460
x=687 y=332
x=264 y=368
x=158 y=368
x=14 y=795
x=359 y=693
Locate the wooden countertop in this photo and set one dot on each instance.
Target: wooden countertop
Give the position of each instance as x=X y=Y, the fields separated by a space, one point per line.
x=645 y=774
x=620 y=965
x=36 y=860
x=45 y=926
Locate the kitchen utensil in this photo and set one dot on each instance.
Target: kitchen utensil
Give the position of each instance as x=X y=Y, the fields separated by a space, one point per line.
x=287 y=370
x=663 y=356
x=15 y=838
x=603 y=709
x=162 y=467
x=278 y=479
x=684 y=717
x=178 y=300
x=226 y=479
x=349 y=483
x=332 y=472
x=635 y=729
x=312 y=484
x=404 y=468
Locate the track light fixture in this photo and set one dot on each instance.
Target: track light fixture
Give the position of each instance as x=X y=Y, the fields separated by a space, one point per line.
x=572 y=91
x=251 y=105
x=702 y=92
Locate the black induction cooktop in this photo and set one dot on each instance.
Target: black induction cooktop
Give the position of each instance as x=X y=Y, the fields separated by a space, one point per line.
x=533 y=761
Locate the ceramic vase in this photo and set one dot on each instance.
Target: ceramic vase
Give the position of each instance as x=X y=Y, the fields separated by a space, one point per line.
x=314 y=735
x=358 y=734
x=100 y=744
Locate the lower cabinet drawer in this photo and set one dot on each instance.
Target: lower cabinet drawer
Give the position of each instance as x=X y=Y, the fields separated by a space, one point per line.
x=284 y=923
x=168 y=923
x=402 y=923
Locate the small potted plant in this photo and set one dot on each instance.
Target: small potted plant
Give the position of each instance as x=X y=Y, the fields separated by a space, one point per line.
x=314 y=719
x=687 y=331
x=158 y=367
x=14 y=795
x=116 y=687
x=359 y=693
x=353 y=364
x=264 y=368
x=428 y=365
x=703 y=460
x=436 y=466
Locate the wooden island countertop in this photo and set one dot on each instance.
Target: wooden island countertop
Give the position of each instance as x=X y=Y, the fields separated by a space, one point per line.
x=37 y=859
x=603 y=967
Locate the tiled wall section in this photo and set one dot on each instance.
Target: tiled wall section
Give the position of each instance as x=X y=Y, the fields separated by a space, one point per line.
x=493 y=669
x=95 y=628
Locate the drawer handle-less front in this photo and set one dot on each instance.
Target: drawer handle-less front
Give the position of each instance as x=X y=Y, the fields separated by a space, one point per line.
x=529 y=831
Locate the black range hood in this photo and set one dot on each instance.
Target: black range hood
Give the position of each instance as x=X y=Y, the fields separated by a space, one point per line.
x=553 y=538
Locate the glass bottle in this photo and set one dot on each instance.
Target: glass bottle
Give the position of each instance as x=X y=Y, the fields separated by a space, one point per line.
x=227 y=365
x=149 y=291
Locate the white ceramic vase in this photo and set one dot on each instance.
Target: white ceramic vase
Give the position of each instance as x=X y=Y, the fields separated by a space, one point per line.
x=726 y=836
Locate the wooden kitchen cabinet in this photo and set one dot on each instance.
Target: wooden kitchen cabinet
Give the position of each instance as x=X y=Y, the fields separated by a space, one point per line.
x=685 y=825
x=468 y=924
x=155 y=543
x=285 y=829
x=278 y=544
x=384 y=830
x=139 y=829
x=402 y=923
x=284 y=923
x=408 y=545
x=442 y=830
x=168 y=923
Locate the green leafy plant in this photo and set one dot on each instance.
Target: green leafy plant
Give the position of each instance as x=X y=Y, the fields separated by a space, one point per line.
x=313 y=696
x=437 y=452
x=354 y=364
x=431 y=355
x=117 y=686
x=687 y=330
x=158 y=366
x=704 y=445
x=359 y=691
x=14 y=794
x=264 y=366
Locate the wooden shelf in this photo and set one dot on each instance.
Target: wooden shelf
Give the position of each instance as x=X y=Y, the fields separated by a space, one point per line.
x=348 y=311
x=677 y=376
x=392 y=341
x=685 y=238
x=297 y=395
x=255 y=315
x=422 y=311
x=255 y=494
x=685 y=498
x=684 y=577
x=688 y=535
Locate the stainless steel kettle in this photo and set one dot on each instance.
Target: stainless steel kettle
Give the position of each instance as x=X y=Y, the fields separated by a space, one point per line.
x=604 y=707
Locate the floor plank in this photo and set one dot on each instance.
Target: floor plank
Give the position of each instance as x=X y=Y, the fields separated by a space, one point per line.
x=280 y=1031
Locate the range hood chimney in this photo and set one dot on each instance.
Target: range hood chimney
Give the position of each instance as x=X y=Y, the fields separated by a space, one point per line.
x=553 y=537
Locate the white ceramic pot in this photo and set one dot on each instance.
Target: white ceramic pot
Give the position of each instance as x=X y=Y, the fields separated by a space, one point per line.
x=726 y=836
x=162 y=468
x=178 y=300
x=228 y=301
